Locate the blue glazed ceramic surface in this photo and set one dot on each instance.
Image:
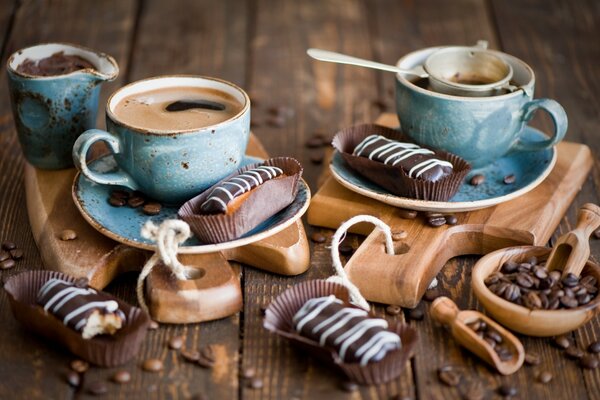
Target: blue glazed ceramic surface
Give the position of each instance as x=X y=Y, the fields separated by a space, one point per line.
x=51 y=112
x=529 y=169
x=123 y=224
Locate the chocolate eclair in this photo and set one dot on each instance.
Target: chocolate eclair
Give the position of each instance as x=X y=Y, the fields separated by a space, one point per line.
x=81 y=307
x=228 y=194
x=350 y=331
x=416 y=161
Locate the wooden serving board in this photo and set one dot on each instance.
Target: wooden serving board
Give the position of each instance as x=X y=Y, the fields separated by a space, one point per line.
x=403 y=278
x=214 y=294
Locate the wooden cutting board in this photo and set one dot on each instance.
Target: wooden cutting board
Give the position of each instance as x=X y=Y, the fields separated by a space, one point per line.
x=215 y=293
x=403 y=278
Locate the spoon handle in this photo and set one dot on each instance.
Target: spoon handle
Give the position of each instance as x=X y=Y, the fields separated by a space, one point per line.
x=444 y=310
x=331 y=56
x=588 y=219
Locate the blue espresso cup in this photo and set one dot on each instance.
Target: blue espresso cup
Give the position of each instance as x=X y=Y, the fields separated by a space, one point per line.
x=169 y=166
x=50 y=112
x=478 y=129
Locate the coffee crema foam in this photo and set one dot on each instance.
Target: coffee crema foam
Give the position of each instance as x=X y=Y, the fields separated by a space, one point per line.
x=202 y=107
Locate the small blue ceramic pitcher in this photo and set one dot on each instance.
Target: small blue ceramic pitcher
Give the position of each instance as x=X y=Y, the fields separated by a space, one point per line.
x=50 y=112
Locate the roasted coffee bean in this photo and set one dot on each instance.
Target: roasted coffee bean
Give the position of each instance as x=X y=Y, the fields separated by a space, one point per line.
x=208 y=353
x=317 y=237
x=594 y=347
x=136 y=201
x=545 y=283
x=73 y=378
x=81 y=282
x=494 y=335
x=436 y=221
x=279 y=121
x=512 y=292
x=314 y=142
x=477 y=180
x=545 y=376
x=349 y=386
x=248 y=373
x=417 y=313
x=79 y=366
x=205 y=363
x=588 y=280
x=399 y=235
x=555 y=275
x=544 y=301
x=346 y=249
x=574 y=352
x=562 y=342
x=507 y=390
x=554 y=304
x=475 y=392
x=449 y=376
x=509 y=179
x=176 y=342
x=540 y=272
x=7 y=264
x=509 y=267
x=8 y=245
x=532 y=358
x=596 y=234
x=589 y=361
x=152 y=208
x=255 y=383
x=476 y=325
x=406 y=214
x=116 y=202
x=190 y=355
x=583 y=299
x=533 y=301
x=533 y=260
x=68 y=234
x=500 y=288
x=153 y=325
x=393 y=310
x=152 y=365
x=524 y=280
x=490 y=341
x=451 y=219
x=570 y=280
x=120 y=194
x=524 y=267
x=97 y=388
x=504 y=353
x=16 y=254
x=568 y=302
x=4 y=255
x=121 y=376
x=431 y=294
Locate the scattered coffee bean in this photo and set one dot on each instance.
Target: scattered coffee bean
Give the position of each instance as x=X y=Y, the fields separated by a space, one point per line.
x=596 y=234
x=509 y=179
x=431 y=294
x=116 y=202
x=152 y=365
x=4 y=255
x=346 y=249
x=393 y=310
x=255 y=383
x=68 y=234
x=8 y=245
x=81 y=282
x=73 y=378
x=317 y=158
x=399 y=235
x=255 y=123
x=120 y=194
x=589 y=361
x=79 y=366
x=509 y=267
x=152 y=208
x=314 y=142
x=436 y=220
x=190 y=355
x=532 y=358
x=477 y=180
x=7 y=264
x=121 y=376
x=380 y=104
x=349 y=386
x=406 y=214
x=318 y=237
x=136 y=201
x=594 y=347
x=97 y=388
x=153 y=325
x=492 y=337
x=417 y=313
x=507 y=390
x=176 y=342
x=545 y=376
x=262 y=310
x=16 y=254
x=570 y=280
x=449 y=376
x=451 y=219
x=476 y=391
x=248 y=373
x=207 y=357
x=574 y=352
x=562 y=342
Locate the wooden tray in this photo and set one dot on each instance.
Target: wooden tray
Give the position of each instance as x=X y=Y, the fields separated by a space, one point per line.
x=215 y=295
x=402 y=279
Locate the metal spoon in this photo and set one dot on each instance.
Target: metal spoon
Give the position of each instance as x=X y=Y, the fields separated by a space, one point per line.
x=331 y=56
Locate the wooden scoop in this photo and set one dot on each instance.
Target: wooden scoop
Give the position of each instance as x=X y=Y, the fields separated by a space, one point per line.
x=572 y=250
x=445 y=311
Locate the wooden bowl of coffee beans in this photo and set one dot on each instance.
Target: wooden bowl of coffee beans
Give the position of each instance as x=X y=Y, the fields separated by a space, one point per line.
x=517 y=290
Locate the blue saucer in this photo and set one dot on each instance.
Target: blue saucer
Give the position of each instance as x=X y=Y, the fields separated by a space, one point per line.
x=529 y=169
x=123 y=224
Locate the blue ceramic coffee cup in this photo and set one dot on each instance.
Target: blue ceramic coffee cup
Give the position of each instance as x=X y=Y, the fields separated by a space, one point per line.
x=50 y=112
x=170 y=166
x=478 y=129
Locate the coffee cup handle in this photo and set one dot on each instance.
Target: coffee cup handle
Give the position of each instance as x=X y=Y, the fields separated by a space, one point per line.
x=80 y=150
x=559 y=118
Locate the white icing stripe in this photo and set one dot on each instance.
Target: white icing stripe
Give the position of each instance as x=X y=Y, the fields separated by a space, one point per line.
x=344 y=321
x=63 y=292
x=237 y=178
x=108 y=305
x=222 y=189
x=251 y=177
x=218 y=200
x=49 y=285
x=375 y=349
x=365 y=326
x=426 y=165
x=80 y=324
x=324 y=303
x=68 y=297
x=236 y=184
x=366 y=141
x=411 y=152
x=339 y=314
x=257 y=174
x=371 y=342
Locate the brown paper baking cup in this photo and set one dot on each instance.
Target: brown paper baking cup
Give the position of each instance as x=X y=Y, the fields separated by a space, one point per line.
x=280 y=313
x=104 y=351
x=394 y=179
x=262 y=203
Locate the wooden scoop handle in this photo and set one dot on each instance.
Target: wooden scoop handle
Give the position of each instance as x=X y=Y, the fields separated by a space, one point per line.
x=588 y=220
x=444 y=310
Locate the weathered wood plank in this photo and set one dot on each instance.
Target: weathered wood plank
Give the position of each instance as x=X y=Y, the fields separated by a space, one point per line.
x=34 y=367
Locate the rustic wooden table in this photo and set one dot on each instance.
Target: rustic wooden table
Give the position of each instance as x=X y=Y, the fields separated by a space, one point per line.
x=261 y=45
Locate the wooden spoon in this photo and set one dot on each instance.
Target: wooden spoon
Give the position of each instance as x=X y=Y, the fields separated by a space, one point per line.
x=572 y=250
x=445 y=311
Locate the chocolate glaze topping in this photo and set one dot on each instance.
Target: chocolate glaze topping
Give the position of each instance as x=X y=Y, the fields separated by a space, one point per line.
x=416 y=161
x=184 y=105
x=57 y=64
x=74 y=304
x=226 y=191
x=350 y=331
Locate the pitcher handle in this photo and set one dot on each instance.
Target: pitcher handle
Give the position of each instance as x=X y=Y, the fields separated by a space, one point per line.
x=559 y=118
x=80 y=150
